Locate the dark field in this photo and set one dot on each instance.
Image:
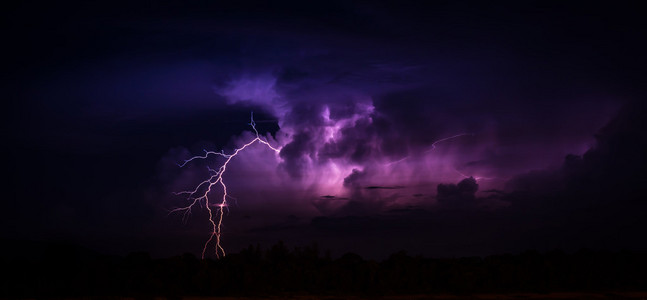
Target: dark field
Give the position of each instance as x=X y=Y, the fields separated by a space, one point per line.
x=69 y=272
x=547 y=296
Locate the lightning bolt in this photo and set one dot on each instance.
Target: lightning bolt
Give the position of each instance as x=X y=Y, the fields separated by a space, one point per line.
x=475 y=177
x=481 y=177
x=433 y=145
x=200 y=194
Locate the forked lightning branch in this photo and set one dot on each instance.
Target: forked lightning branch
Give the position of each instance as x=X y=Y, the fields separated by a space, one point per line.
x=200 y=195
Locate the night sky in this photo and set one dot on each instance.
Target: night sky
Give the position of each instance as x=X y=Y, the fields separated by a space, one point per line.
x=444 y=129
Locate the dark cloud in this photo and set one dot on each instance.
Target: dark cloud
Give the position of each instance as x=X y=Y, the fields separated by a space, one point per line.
x=297 y=154
x=600 y=195
x=376 y=187
x=611 y=171
x=353 y=179
x=457 y=195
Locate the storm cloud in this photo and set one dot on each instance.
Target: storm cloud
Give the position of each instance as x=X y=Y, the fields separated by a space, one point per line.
x=400 y=119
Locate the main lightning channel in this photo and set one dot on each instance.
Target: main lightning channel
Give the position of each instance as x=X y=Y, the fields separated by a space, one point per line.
x=195 y=197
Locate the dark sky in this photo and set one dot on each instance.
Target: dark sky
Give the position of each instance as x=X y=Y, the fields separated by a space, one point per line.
x=444 y=129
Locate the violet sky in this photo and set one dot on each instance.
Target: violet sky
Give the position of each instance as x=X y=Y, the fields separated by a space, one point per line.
x=382 y=112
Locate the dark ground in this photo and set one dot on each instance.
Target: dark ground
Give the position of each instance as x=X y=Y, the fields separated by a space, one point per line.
x=64 y=271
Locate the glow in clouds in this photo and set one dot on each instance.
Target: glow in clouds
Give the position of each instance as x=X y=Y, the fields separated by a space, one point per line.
x=324 y=149
x=195 y=196
x=334 y=175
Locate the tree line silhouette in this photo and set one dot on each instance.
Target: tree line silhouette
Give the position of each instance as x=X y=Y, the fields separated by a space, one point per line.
x=69 y=272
